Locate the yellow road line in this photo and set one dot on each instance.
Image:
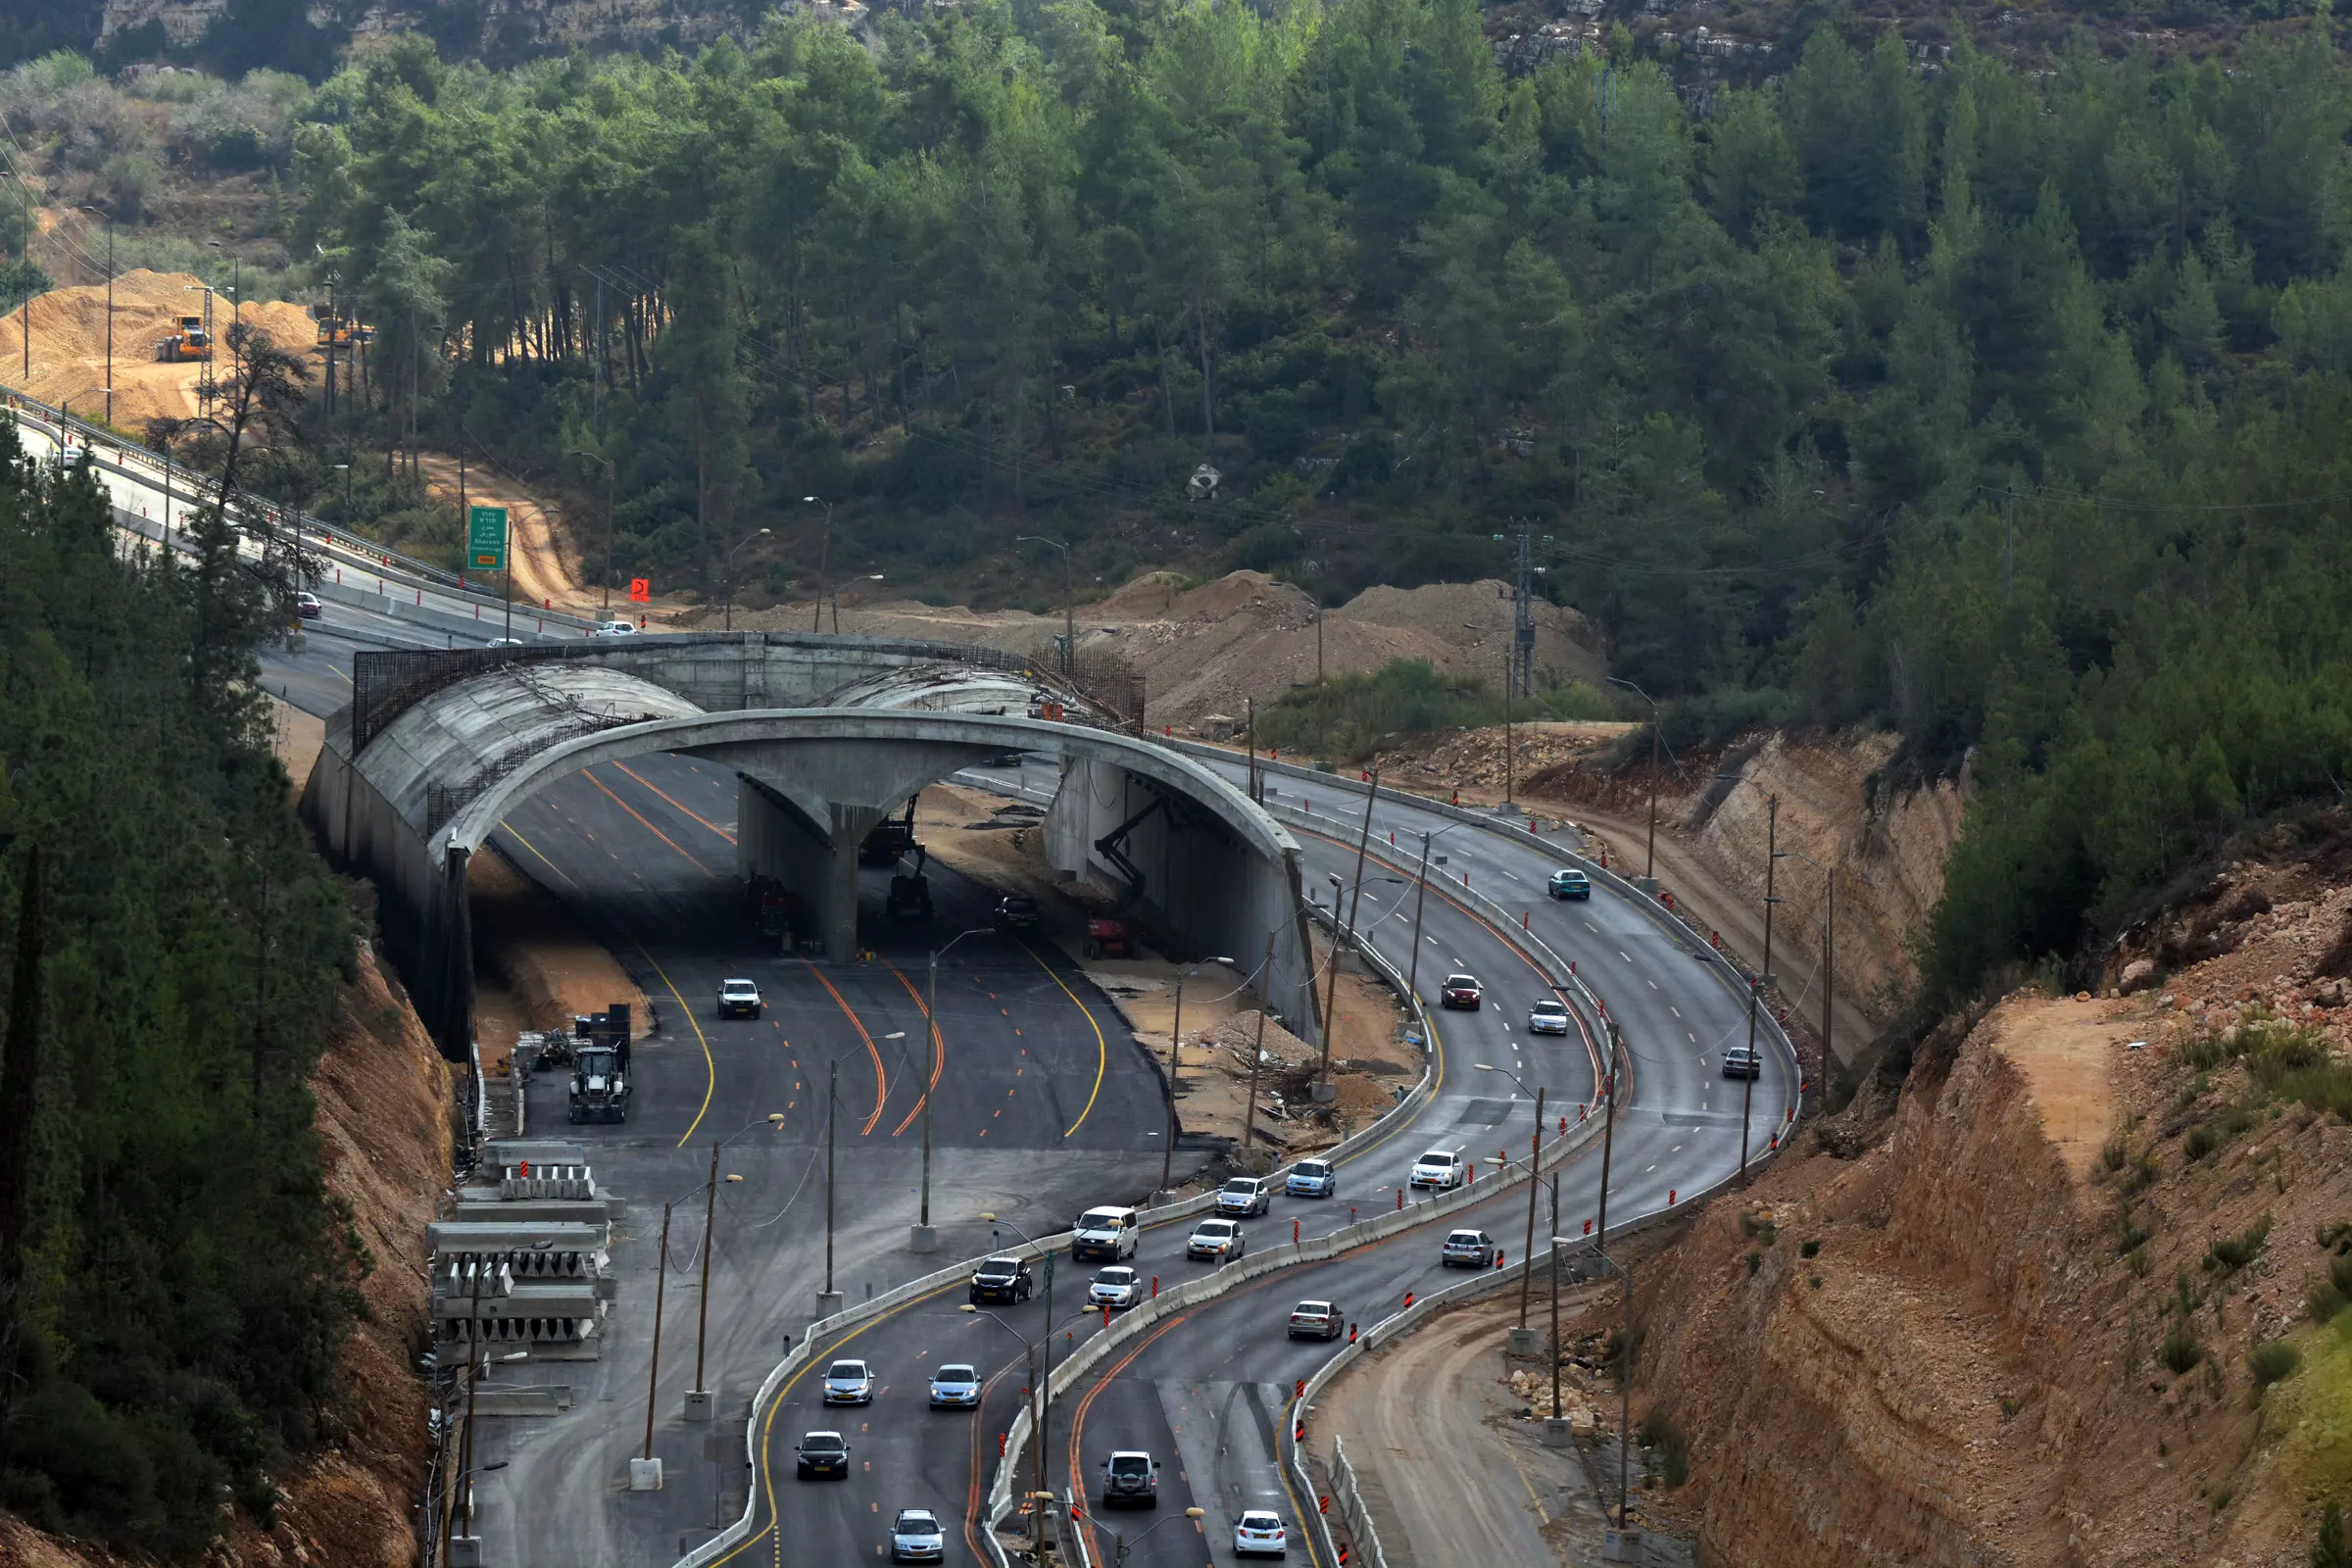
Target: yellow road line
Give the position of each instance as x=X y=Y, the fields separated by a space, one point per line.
x=1101 y=1050
x=509 y=827
x=710 y=1067
x=768 y=1422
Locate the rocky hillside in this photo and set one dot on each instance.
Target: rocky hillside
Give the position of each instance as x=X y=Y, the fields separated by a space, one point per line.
x=384 y=1120
x=2081 y=1299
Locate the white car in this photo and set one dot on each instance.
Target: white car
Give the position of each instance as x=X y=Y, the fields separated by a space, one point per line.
x=849 y=1382
x=739 y=999
x=955 y=1386
x=1259 y=1534
x=615 y=629
x=1442 y=1169
x=1245 y=1196
x=916 y=1537
x=1467 y=1249
x=1217 y=1240
x=1548 y=1017
x=1115 y=1287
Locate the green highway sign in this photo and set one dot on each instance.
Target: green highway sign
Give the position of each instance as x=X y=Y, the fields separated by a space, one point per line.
x=486 y=537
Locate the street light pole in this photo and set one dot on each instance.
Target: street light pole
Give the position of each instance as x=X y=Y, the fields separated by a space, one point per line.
x=1649 y=861
x=924 y=1239
x=702 y=1326
x=1070 y=629
x=832 y=1113
x=1323 y=1090
x=653 y=1372
x=730 y=573
x=825 y=549
x=609 y=488
x=1257 y=1051
x=1608 y=1135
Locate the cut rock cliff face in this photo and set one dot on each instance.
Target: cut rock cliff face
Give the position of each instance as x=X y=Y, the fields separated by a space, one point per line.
x=2023 y=1332
x=1839 y=803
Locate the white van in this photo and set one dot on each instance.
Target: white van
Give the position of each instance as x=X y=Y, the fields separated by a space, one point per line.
x=1108 y=1234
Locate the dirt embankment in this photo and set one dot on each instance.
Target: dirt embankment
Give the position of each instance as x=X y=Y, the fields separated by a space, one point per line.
x=2021 y=1328
x=384 y=1134
x=69 y=345
x=548 y=567
x=1205 y=649
x=535 y=965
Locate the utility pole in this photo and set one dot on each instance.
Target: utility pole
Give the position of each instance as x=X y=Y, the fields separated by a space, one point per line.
x=1755 y=991
x=1523 y=616
x=1650 y=860
x=1554 y=1252
x=2008 y=544
x=1829 y=973
x=653 y=1371
x=1506 y=723
x=1625 y=1388
x=1412 y=968
x=1069 y=611
x=1324 y=1090
x=1322 y=700
x=109 y=319
x=1527 y=1254
x=702 y=1326
x=1608 y=1136
x=1167 y=1144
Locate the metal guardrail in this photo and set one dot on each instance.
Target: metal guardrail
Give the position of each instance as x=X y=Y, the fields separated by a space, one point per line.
x=200 y=487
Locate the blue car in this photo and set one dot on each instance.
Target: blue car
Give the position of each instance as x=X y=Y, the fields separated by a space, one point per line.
x=1570 y=884
x=1311 y=1178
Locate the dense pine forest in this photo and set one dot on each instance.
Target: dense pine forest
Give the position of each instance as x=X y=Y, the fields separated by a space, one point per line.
x=2005 y=408
x=174 y=1284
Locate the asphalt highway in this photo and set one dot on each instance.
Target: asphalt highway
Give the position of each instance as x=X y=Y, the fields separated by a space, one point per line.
x=1209 y=1394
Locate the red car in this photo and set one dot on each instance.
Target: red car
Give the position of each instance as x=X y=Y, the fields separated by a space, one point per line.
x=1461 y=991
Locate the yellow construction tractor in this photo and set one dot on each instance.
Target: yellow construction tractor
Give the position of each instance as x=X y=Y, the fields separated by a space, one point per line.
x=191 y=343
x=334 y=331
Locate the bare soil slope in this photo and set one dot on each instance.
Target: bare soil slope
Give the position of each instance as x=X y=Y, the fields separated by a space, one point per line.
x=70 y=354
x=2017 y=1329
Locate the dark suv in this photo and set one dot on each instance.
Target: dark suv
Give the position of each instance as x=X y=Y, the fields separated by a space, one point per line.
x=1003 y=1279
x=1016 y=911
x=1130 y=1480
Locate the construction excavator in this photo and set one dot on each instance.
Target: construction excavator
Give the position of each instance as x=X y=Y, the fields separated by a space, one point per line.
x=191 y=344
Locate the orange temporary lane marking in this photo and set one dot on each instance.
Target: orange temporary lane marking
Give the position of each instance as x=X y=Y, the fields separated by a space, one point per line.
x=591 y=778
x=872 y=1052
x=939 y=1060
x=675 y=803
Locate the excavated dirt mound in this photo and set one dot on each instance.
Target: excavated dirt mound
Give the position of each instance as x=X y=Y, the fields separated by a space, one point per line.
x=1205 y=650
x=69 y=345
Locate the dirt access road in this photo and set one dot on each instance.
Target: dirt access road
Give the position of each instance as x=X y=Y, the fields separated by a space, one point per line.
x=546 y=572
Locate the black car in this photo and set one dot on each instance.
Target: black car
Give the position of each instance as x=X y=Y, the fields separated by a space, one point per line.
x=822 y=1453
x=1016 y=911
x=1003 y=1279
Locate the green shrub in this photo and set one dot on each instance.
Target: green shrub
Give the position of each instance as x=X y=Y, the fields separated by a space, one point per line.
x=2323 y=1301
x=2227 y=1255
x=2272 y=1361
x=2217 y=1132
x=1755 y=1261
x=2130 y=1233
x=2113 y=1152
x=2330 y=1549
x=2339 y=1274
x=1809 y=1248
x=1665 y=1440
x=1761 y=1228
x=2180 y=1351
